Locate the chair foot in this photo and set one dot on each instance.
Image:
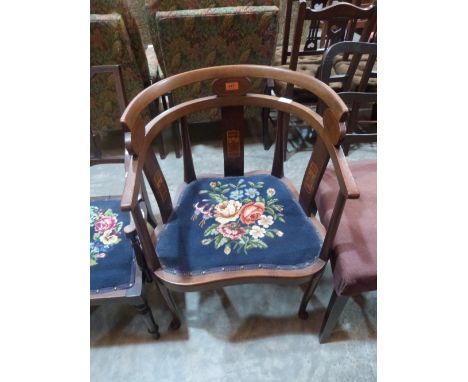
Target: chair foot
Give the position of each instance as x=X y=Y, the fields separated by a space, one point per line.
x=155 y=334
x=334 y=309
x=147 y=314
x=303 y=315
x=308 y=293
x=175 y=324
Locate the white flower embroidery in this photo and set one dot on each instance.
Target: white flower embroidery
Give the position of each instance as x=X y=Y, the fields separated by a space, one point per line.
x=227 y=250
x=265 y=221
x=271 y=192
x=227 y=211
x=257 y=232
x=279 y=233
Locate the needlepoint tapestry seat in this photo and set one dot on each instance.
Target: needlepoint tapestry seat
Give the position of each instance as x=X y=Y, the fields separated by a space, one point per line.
x=237 y=223
x=111 y=254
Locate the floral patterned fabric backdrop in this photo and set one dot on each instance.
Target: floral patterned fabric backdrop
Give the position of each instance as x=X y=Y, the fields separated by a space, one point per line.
x=110 y=45
x=192 y=39
x=131 y=15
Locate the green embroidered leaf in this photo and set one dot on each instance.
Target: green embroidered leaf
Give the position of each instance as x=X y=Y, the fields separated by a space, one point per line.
x=225 y=186
x=269 y=234
x=108 y=212
x=220 y=240
x=257 y=243
x=280 y=218
x=211 y=230
x=246 y=200
x=225 y=190
x=203 y=191
x=93 y=262
x=217 y=197
x=278 y=207
x=96 y=236
x=270 y=211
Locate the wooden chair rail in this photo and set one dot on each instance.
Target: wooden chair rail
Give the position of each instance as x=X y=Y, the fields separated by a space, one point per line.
x=142 y=100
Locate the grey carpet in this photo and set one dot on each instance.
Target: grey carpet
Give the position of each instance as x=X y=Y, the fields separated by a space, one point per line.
x=239 y=333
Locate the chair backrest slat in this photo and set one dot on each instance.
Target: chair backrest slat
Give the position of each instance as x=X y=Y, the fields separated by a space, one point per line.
x=189 y=170
x=313 y=175
x=158 y=184
x=233 y=125
x=328 y=26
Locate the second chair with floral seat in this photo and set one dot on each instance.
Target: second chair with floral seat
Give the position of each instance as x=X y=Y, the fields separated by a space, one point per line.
x=243 y=227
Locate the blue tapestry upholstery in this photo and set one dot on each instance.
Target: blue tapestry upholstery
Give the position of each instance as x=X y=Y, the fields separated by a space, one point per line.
x=234 y=223
x=112 y=261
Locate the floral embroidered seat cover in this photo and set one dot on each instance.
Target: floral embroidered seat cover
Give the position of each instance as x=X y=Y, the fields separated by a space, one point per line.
x=111 y=253
x=237 y=223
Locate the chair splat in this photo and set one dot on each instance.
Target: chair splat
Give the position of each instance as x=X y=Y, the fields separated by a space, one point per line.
x=158 y=184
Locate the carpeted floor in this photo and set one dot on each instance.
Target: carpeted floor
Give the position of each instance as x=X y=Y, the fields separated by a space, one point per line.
x=239 y=333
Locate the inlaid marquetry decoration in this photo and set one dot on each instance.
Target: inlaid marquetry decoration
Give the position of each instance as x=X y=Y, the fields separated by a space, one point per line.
x=231 y=86
x=310 y=176
x=233 y=144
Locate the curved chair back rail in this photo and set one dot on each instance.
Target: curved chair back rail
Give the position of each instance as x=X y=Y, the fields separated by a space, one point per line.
x=329 y=129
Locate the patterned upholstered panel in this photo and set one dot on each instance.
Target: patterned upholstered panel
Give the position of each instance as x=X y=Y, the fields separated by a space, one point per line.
x=140 y=12
x=192 y=39
x=233 y=223
x=172 y=5
x=341 y=67
x=128 y=10
x=110 y=44
x=111 y=253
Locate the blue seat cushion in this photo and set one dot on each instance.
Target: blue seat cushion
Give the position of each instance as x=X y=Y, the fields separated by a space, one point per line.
x=236 y=223
x=112 y=261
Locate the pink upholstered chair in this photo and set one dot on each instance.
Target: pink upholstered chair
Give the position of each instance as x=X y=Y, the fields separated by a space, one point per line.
x=354 y=252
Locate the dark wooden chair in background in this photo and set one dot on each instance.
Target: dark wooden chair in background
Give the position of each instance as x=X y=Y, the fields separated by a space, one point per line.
x=325 y=26
x=118 y=268
x=356 y=84
x=354 y=250
x=240 y=228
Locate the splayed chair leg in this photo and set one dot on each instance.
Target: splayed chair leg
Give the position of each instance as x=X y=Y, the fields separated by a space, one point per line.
x=175 y=323
x=143 y=309
x=334 y=309
x=308 y=293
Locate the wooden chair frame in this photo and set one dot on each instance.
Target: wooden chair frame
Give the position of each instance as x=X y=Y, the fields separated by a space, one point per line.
x=231 y=86
x=356 y=98
x=336 y=22
x=134 y=295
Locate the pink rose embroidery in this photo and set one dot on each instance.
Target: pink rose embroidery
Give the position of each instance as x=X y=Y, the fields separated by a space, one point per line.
x=105 y=223
x=231 y=230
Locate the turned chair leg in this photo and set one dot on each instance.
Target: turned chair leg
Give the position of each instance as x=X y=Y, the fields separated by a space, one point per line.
x=143 y=309
x=334 y=309
x=308 y=293
x=175 y=323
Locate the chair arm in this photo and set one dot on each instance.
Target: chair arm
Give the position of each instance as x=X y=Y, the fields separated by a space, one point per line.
x=348 y=187
x=130 y=194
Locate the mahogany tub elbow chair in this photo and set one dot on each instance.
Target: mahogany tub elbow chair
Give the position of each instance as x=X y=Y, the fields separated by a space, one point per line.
x=240 y=227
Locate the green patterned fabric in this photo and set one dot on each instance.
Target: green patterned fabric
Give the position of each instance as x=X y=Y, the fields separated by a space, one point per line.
x=110 y=44
x=192 y=39
x=128 y=10
x=172 y=5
